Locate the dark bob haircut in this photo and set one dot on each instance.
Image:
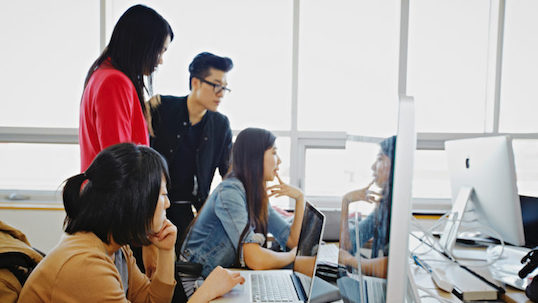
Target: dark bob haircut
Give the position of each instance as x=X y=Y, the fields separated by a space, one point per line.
x=200 y=65
x=119 y=199
x=135 y=45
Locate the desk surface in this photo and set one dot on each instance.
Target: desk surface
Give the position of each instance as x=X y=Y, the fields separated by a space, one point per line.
x=423 y=279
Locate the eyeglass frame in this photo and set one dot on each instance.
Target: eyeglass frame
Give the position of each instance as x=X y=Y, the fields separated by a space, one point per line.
x=217 y=88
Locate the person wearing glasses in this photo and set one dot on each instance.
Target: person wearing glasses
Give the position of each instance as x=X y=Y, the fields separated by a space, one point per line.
x=193 y=137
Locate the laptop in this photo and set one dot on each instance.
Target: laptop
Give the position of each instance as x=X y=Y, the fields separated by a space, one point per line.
x=285 y=285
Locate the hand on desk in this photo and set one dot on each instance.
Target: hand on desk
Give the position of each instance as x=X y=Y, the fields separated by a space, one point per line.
x=219 y=282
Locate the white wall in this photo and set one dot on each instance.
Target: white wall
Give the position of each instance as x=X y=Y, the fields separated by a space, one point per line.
x=43 y=228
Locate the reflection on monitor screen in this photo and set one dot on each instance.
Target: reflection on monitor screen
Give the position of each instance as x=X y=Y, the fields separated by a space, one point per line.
x=373 y=254
x=364 y=238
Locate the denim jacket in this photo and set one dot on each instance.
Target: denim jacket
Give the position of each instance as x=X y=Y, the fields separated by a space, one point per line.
x=213 y=239
x=376 y=222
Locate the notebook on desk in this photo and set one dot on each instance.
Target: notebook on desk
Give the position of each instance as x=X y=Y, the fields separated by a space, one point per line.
x=285 y=285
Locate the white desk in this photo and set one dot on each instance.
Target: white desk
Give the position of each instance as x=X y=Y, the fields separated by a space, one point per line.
x=423 y=279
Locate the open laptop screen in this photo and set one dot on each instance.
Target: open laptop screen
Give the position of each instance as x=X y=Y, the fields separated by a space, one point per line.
x=307 y=249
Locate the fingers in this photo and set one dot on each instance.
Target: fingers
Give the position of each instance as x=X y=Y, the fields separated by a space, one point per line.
x=240 y=280
x=237 y=278
x=235 y=274
x=165 y=231
x=279 y=180
x=280 y=186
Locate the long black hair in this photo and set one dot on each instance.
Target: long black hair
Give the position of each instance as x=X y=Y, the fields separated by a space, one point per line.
x=247 y=166
x=135 y=46
x=117 y=195
x=382 y=218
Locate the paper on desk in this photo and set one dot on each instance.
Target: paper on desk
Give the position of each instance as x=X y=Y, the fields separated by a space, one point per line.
x=506 y=268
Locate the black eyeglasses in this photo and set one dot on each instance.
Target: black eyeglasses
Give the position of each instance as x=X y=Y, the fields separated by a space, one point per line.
x=217 y=88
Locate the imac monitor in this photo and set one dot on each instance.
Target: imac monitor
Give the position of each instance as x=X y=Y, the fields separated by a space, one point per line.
x=373 y=257
x=482 y=174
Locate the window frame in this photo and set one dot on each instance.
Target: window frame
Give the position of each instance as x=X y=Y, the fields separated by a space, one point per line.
x=300 y=141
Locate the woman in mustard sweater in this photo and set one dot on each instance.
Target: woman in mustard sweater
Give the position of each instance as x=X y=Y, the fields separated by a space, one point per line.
x=120 y=200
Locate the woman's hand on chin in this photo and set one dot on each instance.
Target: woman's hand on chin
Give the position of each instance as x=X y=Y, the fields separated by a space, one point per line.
x=165 y=239
x=363 y=194
x=283 y=189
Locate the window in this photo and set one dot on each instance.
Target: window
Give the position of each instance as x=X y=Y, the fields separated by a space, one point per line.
x=348 y=73
x=347 y=55
x=334 y=172
x=37 y=166
x=246 y=32
x=47 y=53
x=430 y=177
x=447 y=64
x=518 y=86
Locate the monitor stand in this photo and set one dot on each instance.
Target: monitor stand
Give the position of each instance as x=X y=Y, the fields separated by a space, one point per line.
x=450 y=233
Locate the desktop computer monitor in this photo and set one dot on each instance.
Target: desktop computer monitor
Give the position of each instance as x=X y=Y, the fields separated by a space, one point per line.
x=373 y=255
x=482 y=174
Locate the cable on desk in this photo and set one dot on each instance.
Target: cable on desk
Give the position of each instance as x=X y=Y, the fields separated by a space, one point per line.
x=451 y=258
x=433 y=242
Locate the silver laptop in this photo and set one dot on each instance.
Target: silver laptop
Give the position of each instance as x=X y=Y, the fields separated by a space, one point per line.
x=285 y=285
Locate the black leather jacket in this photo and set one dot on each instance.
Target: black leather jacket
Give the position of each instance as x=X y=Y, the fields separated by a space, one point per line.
x=170 y=119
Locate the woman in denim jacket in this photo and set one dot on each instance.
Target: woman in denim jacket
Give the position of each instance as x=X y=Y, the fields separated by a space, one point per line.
x=231 y=229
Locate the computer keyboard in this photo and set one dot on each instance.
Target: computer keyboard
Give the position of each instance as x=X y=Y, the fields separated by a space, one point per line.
x=272 y=288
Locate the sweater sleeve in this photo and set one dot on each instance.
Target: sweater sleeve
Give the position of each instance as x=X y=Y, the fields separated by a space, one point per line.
x=141 y=289
x=114 y=104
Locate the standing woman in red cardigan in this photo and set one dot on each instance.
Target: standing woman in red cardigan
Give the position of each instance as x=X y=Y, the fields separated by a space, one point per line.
x=112 y=108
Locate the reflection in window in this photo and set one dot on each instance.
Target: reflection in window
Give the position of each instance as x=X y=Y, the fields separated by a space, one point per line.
x=430 y=177
x=334 y=172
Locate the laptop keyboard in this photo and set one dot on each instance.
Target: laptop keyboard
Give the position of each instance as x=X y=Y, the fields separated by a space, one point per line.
x=272 y=288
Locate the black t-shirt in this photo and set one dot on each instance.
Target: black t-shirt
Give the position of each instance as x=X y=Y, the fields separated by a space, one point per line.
x=184 y=188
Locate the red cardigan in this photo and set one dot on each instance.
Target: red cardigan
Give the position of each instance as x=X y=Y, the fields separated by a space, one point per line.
x=110 y=113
